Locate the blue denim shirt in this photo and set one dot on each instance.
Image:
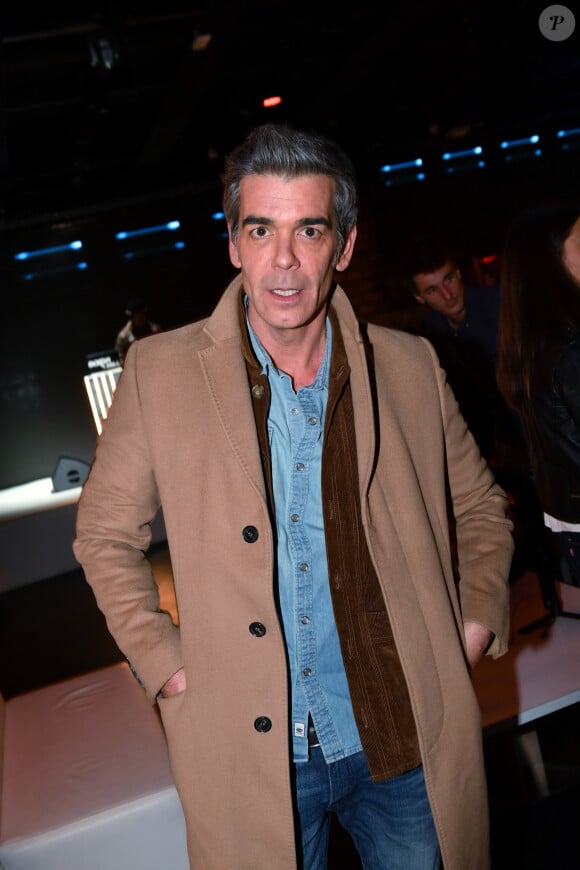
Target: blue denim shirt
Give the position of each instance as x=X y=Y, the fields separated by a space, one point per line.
x=318 y=679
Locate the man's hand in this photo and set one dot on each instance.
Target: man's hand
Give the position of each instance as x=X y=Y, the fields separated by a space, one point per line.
x=477 y=640
x=174 y=684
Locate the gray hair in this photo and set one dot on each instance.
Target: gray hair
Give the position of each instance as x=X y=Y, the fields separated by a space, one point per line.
x=273 y=149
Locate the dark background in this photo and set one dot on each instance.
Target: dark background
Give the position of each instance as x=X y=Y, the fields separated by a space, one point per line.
x=110 y=121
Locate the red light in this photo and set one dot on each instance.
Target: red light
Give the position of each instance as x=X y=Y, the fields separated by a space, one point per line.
x=271 y=101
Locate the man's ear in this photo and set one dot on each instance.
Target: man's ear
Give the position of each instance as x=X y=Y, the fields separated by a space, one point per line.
x=419 y=299
x=233 y=252
x=346 y=253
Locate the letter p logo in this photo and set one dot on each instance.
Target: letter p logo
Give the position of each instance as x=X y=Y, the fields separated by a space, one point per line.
x=557 y=23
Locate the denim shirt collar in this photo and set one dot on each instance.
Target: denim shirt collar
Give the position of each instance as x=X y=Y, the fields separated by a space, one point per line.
x=268 y=366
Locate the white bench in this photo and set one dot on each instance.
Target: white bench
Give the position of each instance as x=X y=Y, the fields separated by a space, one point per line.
x=85 y=782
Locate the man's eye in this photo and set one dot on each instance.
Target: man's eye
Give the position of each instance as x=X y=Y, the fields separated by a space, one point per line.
x=259 y=232
x=310 y=232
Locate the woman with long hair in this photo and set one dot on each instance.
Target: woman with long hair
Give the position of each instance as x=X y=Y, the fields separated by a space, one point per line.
x=538 y=370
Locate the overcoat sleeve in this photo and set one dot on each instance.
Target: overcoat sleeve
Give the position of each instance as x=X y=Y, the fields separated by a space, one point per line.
x=482 y=529
x=113 y=531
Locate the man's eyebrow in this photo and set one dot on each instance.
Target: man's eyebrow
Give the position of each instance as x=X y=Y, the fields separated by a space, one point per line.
x=256 y=220
x=314 y=221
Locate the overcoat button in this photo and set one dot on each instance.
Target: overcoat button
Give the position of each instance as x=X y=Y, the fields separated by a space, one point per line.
x=257 y=629
x=258 y=391
x=262 y=724
x=250 y=534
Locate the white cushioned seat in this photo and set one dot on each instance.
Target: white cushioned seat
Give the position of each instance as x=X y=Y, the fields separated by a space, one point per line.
x=85 y=779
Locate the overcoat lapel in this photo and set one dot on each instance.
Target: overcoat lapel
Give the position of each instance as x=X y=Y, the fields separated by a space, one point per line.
x=227 y=383
x=365 y=405
x=393 y=501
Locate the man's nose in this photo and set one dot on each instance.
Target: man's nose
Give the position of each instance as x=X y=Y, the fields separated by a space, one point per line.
x=285 y=256
x=445 y=292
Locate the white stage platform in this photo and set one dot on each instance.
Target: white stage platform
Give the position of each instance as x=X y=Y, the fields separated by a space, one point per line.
x=34 y=497
x=540 y=673
x=37 y=527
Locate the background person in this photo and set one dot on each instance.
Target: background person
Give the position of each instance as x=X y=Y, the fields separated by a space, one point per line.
x=461 y=321
x=539 y=360
x=138 y=326
x=325 y=640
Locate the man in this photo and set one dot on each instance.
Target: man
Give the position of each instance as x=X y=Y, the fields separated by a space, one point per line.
x=461 y=322
x=469 y=313
x=323 y=653
x=138 y=326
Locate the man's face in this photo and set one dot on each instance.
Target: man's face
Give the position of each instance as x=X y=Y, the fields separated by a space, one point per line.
x=286 y=248
x=442 y=290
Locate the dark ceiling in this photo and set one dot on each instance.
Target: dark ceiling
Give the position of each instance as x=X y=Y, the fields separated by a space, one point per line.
x=105 y=102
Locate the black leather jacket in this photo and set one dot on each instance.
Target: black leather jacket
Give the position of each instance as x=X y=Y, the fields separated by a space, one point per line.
x=553 y=428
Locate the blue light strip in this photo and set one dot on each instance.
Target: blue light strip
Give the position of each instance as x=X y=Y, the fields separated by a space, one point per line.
x=31 y=276
x=454 y=155
x=129 y=234
x=562 y=134
x=396 y=167
x=517 y=143
x=43 y=252
x=145 y=252
x=474 y=164
x=420 y=176
x=537 y=152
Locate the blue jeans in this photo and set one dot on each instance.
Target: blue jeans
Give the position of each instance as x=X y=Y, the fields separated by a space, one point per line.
x=390 y=822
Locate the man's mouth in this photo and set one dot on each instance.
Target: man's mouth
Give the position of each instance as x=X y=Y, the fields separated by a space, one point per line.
x=278 y=291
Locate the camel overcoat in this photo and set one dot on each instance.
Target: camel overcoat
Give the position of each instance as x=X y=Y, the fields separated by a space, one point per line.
x=181 y=435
